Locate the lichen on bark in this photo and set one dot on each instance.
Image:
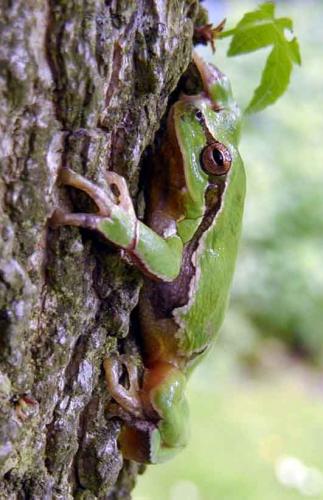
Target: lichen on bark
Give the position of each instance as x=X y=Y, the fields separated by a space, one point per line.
x=83 y=84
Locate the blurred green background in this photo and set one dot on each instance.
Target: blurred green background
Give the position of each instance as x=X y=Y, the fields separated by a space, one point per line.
x=257 y=401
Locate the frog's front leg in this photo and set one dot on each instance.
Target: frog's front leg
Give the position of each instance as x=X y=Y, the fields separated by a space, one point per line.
x=156 y=427
x=108 y=202
x=116 y=220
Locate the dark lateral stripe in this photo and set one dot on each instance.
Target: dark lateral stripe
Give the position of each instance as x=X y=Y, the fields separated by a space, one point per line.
x=209 y=137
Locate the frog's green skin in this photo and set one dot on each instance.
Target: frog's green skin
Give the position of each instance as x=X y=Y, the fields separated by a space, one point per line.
x=187 y=250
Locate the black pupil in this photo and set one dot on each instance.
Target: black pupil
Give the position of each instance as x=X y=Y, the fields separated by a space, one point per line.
x=199 y=115
x=218 y=157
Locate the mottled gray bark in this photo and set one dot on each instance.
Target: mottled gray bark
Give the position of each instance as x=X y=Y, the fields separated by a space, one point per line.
x=83 y=84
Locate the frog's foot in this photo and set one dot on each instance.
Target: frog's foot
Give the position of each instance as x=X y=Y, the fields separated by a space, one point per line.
x=156 y=420
x=138 y=434
x=128 y=398
x=115 y=217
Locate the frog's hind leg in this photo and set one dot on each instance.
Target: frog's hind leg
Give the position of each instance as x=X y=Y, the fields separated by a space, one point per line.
x=129 y=399
x=138 y=436
x=156 y=416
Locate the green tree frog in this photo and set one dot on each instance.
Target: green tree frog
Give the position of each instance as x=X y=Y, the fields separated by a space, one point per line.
x=186 y=249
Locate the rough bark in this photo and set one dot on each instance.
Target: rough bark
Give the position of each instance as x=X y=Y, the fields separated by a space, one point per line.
x=84 y=84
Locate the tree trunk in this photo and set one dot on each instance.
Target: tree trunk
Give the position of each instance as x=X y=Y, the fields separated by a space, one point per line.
x=84 y=84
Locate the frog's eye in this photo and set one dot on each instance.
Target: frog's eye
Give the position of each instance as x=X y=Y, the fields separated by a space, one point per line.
x=216 y=159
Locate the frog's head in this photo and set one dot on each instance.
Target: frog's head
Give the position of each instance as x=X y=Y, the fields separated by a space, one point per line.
x=207 y=129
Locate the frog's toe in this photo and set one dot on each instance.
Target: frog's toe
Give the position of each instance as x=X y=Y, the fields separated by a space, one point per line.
x=128 y=398
x=103 y=199
x=119 y=188
x=62 y=218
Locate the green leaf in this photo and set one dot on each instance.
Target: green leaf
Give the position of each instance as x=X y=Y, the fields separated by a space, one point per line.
x=259 y=29
x=274 y=80
x=294 y=51
x=251 y=38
